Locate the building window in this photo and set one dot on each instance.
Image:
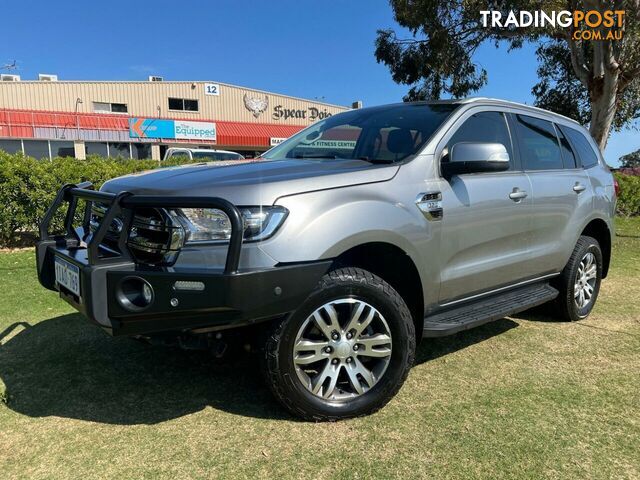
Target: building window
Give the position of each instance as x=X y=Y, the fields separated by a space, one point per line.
x=141 y=150
x=121 y=150
x=104 y=107
x=96 y=148
x=11 y=146
x=183 y=104
x=62 y=149
x=38 y=149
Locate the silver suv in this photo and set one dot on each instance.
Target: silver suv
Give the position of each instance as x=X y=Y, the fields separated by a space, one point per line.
x=346 y=245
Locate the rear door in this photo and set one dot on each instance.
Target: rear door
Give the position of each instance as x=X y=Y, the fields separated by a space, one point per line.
x=560 y=187
x=486 y=216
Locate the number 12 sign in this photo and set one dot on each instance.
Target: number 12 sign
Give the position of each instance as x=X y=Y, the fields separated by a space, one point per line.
x=211 y=89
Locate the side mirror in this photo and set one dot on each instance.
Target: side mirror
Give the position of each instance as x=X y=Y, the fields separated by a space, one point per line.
x=475 y=157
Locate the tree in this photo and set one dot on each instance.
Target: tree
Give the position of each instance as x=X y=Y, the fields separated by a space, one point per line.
x=630 y=160
x=560 y=90
x=594 y=81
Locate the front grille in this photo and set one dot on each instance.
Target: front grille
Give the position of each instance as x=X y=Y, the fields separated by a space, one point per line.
x=154 y=237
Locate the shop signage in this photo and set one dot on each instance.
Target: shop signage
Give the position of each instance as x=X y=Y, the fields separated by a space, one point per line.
x=256 y=105
x=350 y=144
x=276 y=141
x=310 y=113
x=156 y=128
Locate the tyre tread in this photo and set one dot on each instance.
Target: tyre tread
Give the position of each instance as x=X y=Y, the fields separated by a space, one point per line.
x=564 y=300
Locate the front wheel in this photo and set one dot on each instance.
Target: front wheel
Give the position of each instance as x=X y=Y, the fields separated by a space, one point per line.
x=345 y=352
x=579 y=282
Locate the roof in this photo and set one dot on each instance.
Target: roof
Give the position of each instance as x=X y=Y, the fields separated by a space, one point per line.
x=508 y=103
x=485 y=101
x=497 y=101
x=175 y=82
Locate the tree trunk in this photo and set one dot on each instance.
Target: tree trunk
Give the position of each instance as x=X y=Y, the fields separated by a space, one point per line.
x=603 y=109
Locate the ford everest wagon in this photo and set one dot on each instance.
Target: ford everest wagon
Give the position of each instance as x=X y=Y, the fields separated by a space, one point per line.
x=348 y=244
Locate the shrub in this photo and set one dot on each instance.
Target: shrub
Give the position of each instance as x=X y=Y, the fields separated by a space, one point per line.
x=629 y=199
x=28 y=186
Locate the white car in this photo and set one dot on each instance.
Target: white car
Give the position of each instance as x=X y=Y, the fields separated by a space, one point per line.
x=203 y=154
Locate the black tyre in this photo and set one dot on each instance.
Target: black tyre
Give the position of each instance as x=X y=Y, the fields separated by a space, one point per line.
x=579 y=282
x=345 y=352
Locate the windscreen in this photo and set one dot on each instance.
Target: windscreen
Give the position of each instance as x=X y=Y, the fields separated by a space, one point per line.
x=381 y=134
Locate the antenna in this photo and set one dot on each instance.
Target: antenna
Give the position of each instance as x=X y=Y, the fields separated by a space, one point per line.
x=10 y=65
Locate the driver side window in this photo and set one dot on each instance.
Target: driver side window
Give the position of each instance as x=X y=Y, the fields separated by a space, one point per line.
x=485 y=127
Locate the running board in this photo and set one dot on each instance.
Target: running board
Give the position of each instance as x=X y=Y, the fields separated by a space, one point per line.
x=487 y=310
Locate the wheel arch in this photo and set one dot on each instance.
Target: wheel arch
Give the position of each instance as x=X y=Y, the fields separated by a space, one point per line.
x=395 y=266
x=599 y=229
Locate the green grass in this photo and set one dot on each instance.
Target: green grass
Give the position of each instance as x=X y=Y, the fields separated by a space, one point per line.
x=519 y=398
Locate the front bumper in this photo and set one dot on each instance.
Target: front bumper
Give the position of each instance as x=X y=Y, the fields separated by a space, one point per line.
x=227 y=298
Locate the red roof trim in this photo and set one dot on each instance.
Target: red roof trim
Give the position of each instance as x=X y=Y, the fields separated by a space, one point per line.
x=16 y=123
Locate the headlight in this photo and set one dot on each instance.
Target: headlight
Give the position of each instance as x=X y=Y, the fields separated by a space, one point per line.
x=210 y=224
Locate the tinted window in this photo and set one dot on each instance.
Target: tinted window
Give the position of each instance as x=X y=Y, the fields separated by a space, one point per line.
x=568 y=157
x=191 y=105
x=109 y=107
x=180 y=154
x=119 y=107
x=62 y=149
x=183 y=104
x=176 y=104
x=11 y=146
x=539 y=146
x=388 y=134
x=216 y=156
x=583 y=147
x=141 y=150
x=96 y=148
x=485 y=127
x=119 y=150
x=36 y=148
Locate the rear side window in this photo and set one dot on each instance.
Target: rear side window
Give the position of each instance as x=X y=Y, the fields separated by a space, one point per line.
x=212 y=156
x=568 y=157
x=487 y=127
x=539 y=145
x=582 y=146
x=179 y=153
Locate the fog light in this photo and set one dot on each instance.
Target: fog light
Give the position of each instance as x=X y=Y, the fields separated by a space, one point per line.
x=188 y=285
x=147 y=293
x=134 y=294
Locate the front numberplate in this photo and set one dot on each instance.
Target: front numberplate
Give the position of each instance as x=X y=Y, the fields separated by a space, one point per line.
x=67 y=275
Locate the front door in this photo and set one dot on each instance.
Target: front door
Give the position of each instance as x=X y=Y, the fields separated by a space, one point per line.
x=486 y=219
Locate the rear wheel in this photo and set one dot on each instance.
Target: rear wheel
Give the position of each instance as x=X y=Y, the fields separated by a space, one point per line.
x=579 y=282
x=345 y=352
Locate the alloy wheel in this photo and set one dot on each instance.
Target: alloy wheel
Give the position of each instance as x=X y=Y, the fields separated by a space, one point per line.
x=585 y=280
x=342 y=349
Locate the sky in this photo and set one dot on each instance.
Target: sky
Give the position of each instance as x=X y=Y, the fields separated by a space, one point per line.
x=310 y=49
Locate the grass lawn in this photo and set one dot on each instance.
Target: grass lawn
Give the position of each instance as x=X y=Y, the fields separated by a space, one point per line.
x=523 y=397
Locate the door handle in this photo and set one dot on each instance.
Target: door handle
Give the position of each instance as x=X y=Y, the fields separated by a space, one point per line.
x=578 y=187
x=517 y=194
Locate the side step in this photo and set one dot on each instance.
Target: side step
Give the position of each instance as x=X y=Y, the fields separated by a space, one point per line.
x=487 y=310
